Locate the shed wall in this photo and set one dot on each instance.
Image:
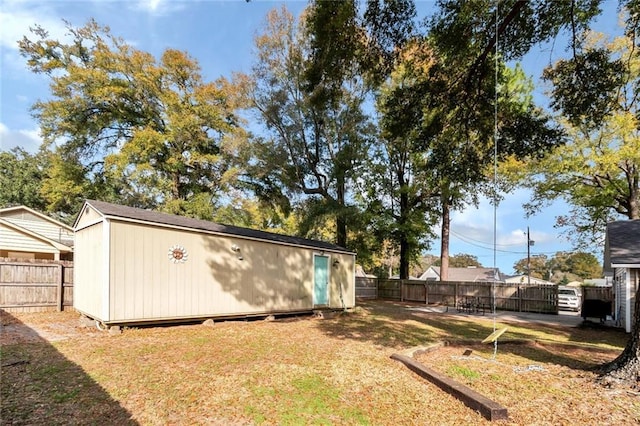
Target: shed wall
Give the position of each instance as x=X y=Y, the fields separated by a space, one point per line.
x=89 y=278
x=262 y=277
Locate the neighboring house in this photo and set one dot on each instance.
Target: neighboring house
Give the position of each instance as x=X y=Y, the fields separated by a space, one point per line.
x=523 y=279
x=360 y=273
x=470 y=274
x=137 y=266
x=622 y=263
x=597 y=282
x=28 y=234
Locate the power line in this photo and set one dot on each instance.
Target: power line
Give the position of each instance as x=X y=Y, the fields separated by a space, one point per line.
x=487 y=246
x=482 y=242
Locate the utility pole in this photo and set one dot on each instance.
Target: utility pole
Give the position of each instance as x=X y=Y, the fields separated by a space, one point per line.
x=530 y=242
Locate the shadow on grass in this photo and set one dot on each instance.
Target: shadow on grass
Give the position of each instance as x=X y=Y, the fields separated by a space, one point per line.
x=40 y=386
x=391 y=324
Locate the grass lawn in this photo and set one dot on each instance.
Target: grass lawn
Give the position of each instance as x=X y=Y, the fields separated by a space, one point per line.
x=301 y=371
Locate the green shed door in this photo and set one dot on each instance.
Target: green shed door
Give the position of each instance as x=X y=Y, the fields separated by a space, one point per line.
x=320 y=280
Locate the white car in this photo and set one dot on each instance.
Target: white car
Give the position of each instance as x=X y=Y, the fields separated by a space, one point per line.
x=568 y=299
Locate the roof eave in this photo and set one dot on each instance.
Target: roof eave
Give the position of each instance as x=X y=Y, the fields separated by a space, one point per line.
x=225 y=234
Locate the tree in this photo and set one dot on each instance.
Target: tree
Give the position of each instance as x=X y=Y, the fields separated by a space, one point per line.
x=21 y=176
x=580 y=264
x=147 y=132
x=461 y=260
x=401 y=188
x=598 y=172
x=572 y=265
x=536 y=265
x=318 y=133
x=584 y=265
x=450 y=127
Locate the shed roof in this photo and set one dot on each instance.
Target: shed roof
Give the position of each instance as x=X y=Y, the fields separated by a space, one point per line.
x=622 y=244
x=115 y=211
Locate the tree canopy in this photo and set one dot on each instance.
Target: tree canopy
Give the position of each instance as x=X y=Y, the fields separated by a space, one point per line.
x=598 y=172
x=21 y=175
x=124 y=125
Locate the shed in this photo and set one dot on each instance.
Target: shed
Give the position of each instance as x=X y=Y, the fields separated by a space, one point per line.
x=138 y=266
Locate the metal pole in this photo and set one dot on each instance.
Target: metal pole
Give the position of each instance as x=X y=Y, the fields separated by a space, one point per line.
x=528 y=258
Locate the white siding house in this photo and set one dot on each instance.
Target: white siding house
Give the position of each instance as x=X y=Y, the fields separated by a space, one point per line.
x=622 y=263
x=28 y=234
x=136 y=266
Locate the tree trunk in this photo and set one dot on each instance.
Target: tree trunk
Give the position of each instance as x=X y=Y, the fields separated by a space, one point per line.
x=444 y=241
x=341 y=223
x=625 y=368
x=404 y=258
x=634 y=201
x=404 y=241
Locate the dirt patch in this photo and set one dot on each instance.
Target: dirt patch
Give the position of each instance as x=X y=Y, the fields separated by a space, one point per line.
x=42 y=326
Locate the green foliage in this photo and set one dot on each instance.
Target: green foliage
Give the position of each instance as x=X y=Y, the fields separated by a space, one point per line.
x=598 y=172
x=562 y=266
x=148 y=132
x=318 y=132
x=461 y=260
x=21 y=175
x=438 y=133
x=538 y=265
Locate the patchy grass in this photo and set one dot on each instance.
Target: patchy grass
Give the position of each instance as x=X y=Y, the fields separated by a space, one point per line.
x=304 y=371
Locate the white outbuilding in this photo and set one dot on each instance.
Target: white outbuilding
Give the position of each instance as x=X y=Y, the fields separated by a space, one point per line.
x=140 y=266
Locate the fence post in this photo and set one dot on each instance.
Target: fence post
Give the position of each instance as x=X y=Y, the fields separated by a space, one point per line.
x=426 y=294
x=377 y=284
x=455 y=295
x=402 y=290
x=519 y=299
x=60 y=298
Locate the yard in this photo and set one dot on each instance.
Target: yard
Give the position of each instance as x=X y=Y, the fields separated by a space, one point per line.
x=304 y=371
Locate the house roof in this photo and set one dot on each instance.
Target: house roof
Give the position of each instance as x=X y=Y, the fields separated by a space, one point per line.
x=465 y=274
x=13 y=209
x=115 y=211
x=622 y=244
x=360 y=273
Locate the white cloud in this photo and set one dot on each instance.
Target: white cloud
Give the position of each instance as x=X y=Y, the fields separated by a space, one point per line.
x=28 y=139
x=157 y=7
x=16 y=17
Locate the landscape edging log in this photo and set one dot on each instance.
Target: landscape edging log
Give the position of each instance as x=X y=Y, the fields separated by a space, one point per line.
x=491 y=410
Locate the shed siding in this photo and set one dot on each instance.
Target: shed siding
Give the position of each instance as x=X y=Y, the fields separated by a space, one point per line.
x=214 y=280
x=88 y=217
x=88 y=292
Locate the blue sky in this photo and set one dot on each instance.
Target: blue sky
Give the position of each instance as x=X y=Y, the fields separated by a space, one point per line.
x=219 y=34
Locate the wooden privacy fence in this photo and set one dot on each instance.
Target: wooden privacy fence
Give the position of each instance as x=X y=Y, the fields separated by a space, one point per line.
x=597 y=293
x=508 y=297
x=35 y=285
x=366 y=288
